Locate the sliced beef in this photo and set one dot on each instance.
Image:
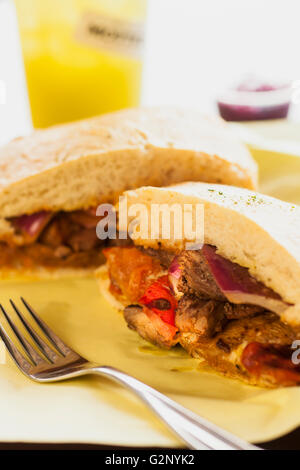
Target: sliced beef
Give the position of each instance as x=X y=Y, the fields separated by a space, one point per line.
x=236 y=311
x=164 y=257
x=203 y=317
x=75 y=229
x=86 y=219
x=196 y=277
x=150 y=327
x=208 y=317
x=84 y=240
x=52 y=235
x=197 y=281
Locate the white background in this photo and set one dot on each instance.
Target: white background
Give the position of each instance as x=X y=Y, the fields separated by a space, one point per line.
x=194 y=48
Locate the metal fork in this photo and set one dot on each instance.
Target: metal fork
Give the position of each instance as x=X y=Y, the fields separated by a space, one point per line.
x=43 y=363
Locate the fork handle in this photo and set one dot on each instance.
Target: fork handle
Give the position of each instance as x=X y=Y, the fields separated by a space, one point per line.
x=196 y=432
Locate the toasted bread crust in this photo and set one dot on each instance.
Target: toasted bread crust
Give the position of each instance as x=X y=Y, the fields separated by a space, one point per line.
x=80 y=164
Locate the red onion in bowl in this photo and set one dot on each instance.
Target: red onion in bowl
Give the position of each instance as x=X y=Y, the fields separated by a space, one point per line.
x=239 y=286
x=255 y=99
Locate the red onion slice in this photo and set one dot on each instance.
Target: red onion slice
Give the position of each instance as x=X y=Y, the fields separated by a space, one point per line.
x=238 y=285
x=174 y=269
x=32 y=225
x=174 y=274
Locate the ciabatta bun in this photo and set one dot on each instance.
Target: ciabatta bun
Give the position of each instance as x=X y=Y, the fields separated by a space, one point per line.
x=84 y=163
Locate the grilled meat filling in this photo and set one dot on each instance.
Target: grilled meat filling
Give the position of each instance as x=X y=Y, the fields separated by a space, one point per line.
x=164 y=257
x=229 y=352
x=196 y=278
x=203 y=317
x=241 y=340
x=236 y=311
x=38 y=254
x=64 y=239
x=208 y=317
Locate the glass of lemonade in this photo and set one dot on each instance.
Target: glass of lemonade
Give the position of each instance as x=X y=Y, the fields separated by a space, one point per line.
x=81 y=57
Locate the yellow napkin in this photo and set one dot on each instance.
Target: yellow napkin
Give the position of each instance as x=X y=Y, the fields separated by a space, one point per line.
x=94 y=410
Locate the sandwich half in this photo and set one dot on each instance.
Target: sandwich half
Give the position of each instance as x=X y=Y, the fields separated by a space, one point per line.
x=234 y=300
x=52 y=181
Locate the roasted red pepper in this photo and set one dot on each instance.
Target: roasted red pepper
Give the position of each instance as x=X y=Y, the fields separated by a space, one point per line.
x=274 y=360
x=159 y=298
x=131 y=270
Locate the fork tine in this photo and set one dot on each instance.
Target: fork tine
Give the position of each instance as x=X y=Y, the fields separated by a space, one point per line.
x=43 y=347
x=19 y=359
x=33 y=355
x=55 y=340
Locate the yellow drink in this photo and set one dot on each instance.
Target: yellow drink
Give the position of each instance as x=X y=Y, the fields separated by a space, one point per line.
x=82 y=57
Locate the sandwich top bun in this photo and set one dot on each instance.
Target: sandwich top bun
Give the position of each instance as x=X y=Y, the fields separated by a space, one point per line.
x=80 y=164
x=256 y=231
